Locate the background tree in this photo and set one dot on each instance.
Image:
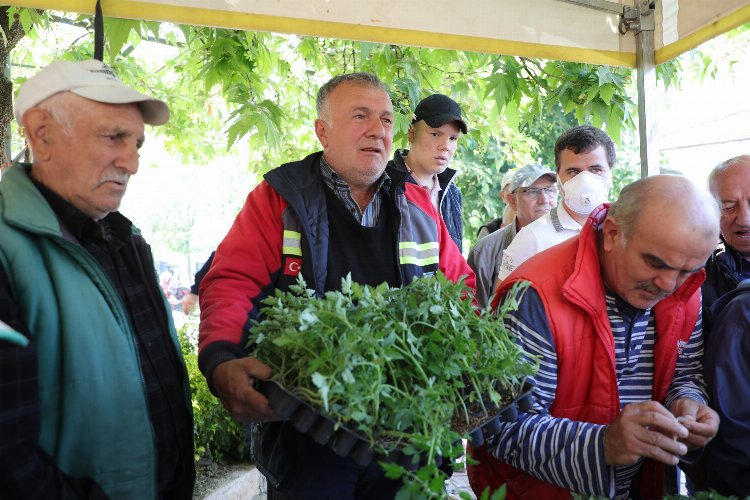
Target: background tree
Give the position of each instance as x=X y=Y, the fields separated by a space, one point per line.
x=236 y=89
x=12 y=33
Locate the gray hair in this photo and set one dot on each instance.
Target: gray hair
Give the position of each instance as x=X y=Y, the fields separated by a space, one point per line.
x=626 y=208
x=713 y=177
x=664 y=192
x=363 y=78
x=62 y=109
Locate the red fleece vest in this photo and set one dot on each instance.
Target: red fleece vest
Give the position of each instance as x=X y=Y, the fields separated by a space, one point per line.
x=568 y=280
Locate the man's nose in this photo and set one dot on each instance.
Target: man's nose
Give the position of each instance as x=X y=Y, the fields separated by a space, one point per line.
x=743 y=213
x=668 y=280
x=128 y=159
x=376 y=127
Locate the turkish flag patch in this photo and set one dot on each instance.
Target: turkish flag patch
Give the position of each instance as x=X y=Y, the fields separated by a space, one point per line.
x=292 y=266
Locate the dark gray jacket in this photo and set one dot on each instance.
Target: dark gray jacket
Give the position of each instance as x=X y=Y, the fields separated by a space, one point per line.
x=723 y=270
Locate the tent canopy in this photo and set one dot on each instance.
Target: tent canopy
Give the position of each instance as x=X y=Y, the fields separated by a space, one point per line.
x=567 y=30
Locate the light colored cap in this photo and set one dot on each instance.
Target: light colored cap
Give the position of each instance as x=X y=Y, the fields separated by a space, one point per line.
x=91 y=79
x=507 y=178
x=528 y=175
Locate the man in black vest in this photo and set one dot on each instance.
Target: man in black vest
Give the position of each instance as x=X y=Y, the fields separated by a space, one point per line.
x=332 y=213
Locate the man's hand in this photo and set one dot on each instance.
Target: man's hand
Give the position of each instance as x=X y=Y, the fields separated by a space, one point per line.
x=700 y=420
x=644 y=430
x=233 y=381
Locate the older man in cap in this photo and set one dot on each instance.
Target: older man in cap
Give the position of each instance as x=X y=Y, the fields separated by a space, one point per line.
x=613 y=317
x=533 y=193
x=433 y=137
x=97 y=405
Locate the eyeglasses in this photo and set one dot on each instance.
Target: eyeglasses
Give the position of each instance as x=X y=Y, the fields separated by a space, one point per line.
x=533 y=193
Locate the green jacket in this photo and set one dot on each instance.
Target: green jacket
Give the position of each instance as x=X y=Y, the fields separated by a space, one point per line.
x=95 y=419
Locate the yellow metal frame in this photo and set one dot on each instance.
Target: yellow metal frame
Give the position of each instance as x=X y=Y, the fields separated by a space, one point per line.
x=727 y=23
x=130 y=9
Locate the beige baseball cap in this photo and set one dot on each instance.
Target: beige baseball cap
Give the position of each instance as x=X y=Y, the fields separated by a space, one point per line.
x=91 y=79
x=528 y=175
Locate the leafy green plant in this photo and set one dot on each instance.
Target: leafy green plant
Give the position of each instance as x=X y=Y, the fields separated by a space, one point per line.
x=216 y=434
x=703 y=495
x=369 y=357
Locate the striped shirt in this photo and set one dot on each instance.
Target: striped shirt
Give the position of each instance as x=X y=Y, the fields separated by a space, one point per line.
x=367 y=217
x=568 y=453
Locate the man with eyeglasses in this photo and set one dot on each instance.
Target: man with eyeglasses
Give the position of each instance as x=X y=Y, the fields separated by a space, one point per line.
x=584 y=157
x=533 y=193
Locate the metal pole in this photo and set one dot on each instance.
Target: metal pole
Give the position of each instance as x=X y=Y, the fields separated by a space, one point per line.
x=646 y=69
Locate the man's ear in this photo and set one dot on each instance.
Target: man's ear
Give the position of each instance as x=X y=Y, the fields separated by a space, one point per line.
x=37 y=124
x=321 y=130
x=511 y=200
x=410 y=134
x=611 y=233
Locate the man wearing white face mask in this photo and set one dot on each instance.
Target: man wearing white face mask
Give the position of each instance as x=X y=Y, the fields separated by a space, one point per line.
x=584 y=157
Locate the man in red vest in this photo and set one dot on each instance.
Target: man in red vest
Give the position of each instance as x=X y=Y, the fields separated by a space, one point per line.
x=614 y=317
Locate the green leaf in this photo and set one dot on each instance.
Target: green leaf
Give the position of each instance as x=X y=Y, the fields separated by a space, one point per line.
x=24 y=17
x=605 y=75
x=116 y=32
x=392 y=470
x=500 y=493
x=512 y=115
x=365 y=50
x=606 y=92
x=591 y=94
x=460 y=90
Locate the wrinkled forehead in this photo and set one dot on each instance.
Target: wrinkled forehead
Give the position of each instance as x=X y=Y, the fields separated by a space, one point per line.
x=675 y=239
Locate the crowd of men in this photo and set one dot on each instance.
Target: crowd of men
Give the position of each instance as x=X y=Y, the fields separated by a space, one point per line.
x=624 y=299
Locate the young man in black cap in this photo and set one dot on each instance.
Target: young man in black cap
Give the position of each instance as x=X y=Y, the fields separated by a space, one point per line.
x=433 y=138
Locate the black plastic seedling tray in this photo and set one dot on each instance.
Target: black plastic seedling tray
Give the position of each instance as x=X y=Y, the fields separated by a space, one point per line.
x=345 y=442
x=508 y=413
x=323 y=430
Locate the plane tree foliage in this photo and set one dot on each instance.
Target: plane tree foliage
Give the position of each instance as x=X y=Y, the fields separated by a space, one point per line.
x=237 y=89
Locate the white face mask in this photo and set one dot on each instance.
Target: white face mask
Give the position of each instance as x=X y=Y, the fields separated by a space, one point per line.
x=584 y=192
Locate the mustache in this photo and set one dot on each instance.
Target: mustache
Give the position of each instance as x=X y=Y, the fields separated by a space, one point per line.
x=120 y=178
x=652 y=289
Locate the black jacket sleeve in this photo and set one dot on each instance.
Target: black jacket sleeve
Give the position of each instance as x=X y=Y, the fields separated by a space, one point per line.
x=200 y=274
x=727 y=365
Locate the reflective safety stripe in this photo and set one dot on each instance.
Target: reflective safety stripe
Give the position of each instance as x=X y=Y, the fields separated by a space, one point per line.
x=424 y=254
x=292 y=243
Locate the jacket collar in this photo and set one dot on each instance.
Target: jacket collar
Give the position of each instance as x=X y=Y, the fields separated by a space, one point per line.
x=726 y=256
x=23 y=204
x=398 y=163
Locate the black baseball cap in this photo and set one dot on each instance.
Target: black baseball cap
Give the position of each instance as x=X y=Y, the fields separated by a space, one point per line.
x=437 y=110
